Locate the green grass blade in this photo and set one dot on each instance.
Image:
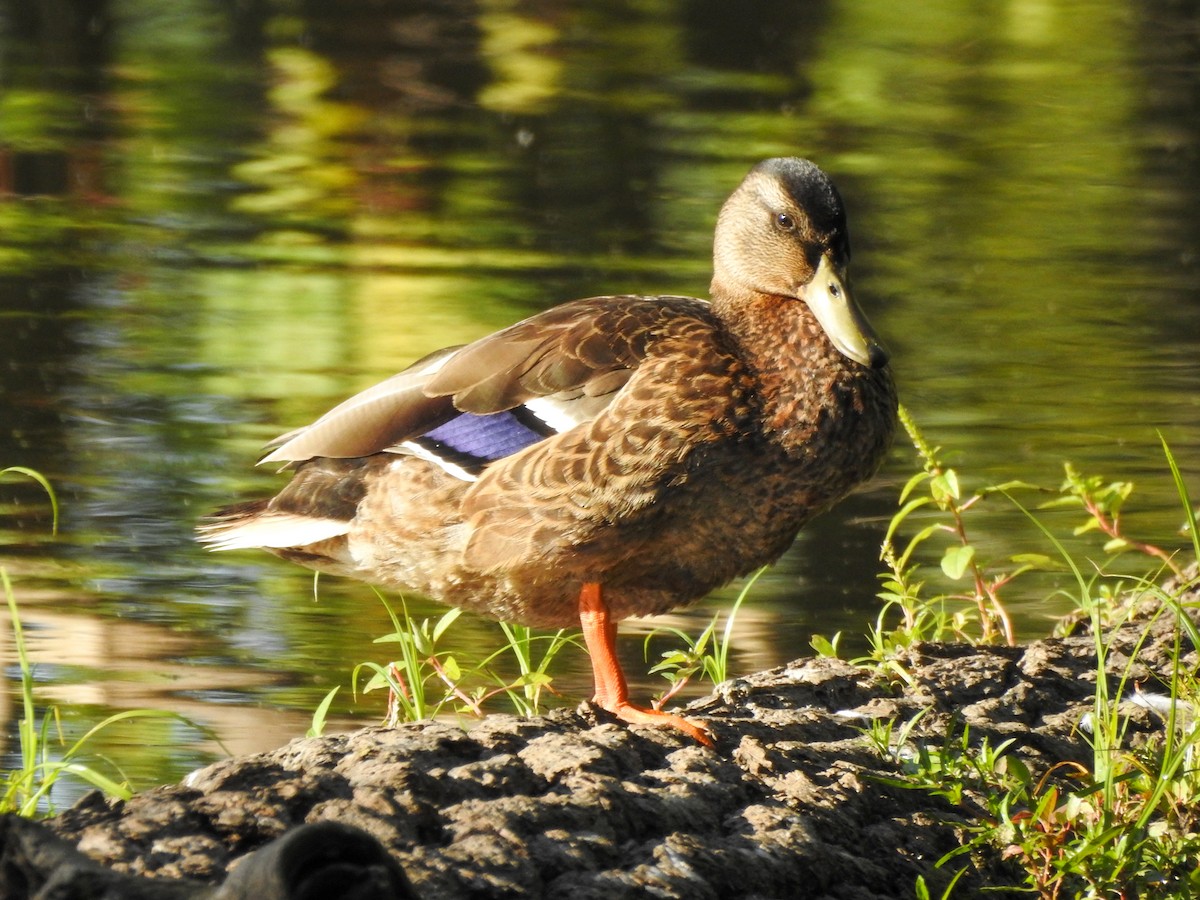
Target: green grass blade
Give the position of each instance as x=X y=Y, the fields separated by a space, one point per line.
x=1181 y=488
x=721 y=652
x=120 y=790
x=317 y=728
x=124 y=716
x=40 y=479
x=27 y=728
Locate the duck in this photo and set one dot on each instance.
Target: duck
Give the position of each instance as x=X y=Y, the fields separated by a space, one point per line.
x=609 y=457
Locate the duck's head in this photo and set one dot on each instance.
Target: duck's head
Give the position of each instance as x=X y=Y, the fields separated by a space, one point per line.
x=783 y=233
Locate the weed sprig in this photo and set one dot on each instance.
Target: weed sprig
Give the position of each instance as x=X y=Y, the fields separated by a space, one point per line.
x=706 y=655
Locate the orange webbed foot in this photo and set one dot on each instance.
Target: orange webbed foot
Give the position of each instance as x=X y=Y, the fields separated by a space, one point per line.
x=638 y=715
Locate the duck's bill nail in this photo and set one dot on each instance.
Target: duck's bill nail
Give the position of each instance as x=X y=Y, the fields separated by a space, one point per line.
x=828 y=296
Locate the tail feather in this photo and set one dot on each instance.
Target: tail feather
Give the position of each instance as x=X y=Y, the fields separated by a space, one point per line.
x=253 y=525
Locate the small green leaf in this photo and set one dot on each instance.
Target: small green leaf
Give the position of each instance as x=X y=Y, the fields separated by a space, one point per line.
x=903 y=513
x=917 y=539
x=445 y=622
x=1059 y=502
x=422 y=641
x=318 y=720
x=912 y=484
x=375 y=682
x=956 y=560
x=824 y=646
x=944 y=487
x=1037 y=561
x=1009 y=486
x=1013 y=766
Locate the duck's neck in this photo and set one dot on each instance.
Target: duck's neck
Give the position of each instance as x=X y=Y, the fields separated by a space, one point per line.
x=799 y=373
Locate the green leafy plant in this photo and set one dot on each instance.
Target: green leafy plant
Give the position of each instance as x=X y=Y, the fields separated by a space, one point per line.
x=1128 y=824
x=935 y=502
x=943 y=615
x=424 y=678
x=1103 y=501
x=525 y=692
x=829 y=648
x=706 y=655
x=1132 y=829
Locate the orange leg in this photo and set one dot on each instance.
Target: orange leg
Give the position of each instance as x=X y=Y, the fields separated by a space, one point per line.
x=612 y=693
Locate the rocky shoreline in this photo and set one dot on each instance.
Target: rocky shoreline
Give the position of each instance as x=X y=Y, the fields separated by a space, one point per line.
x=794 y=799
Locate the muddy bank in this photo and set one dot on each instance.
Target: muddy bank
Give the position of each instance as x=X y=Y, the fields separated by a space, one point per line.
x=572 y=805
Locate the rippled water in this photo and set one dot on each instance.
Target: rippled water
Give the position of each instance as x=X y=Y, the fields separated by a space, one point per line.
x=216 y=224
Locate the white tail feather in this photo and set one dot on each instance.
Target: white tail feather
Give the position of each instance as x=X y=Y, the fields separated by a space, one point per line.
x=272 y=530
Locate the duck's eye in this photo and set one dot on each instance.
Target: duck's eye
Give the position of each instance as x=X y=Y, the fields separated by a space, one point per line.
x=785 y=222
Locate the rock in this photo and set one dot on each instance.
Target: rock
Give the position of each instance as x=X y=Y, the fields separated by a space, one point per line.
x=573 y=805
